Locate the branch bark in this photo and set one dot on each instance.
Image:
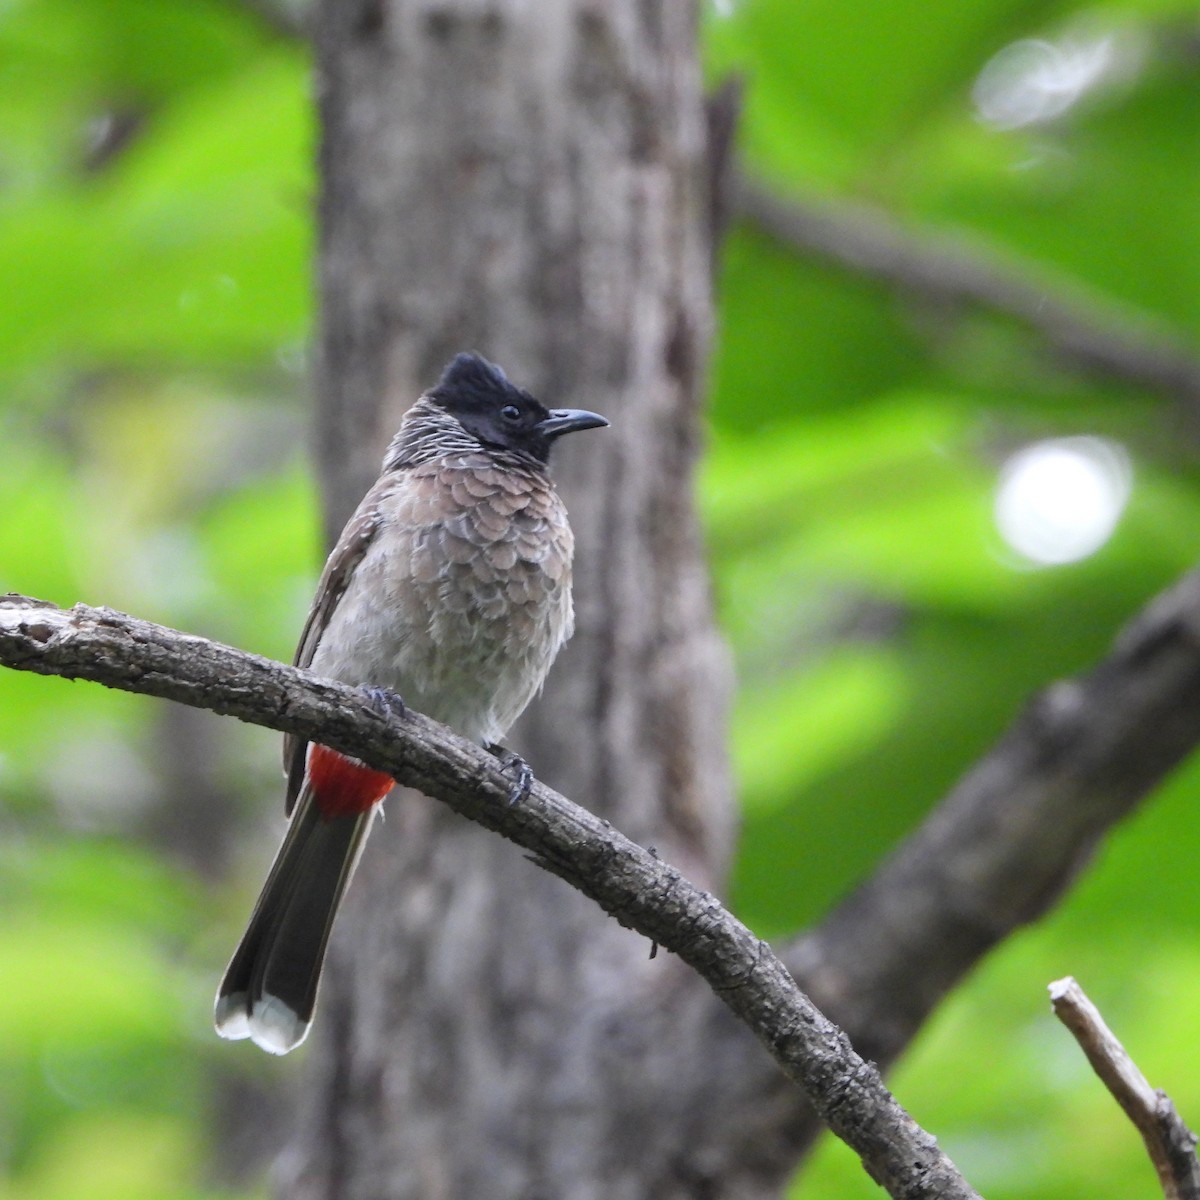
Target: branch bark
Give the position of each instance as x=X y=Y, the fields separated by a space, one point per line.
x=1105 y=340
x=630 y=883
x=1169 y=1142
x=996 y=854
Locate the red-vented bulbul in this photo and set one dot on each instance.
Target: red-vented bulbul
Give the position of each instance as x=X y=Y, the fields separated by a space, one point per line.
x=449 y=588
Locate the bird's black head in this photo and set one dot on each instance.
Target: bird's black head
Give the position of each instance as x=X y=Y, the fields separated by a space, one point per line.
x=501 y=415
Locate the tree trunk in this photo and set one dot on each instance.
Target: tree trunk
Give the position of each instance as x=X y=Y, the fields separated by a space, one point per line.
x=530 y=181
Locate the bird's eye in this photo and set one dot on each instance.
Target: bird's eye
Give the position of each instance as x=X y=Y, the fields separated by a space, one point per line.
x=510 y=412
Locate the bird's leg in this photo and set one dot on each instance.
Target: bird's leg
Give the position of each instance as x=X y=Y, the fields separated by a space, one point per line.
x=522 y=775
x=386 y=702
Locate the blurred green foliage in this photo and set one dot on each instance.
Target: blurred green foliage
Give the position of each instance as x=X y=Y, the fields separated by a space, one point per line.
x=155 y=230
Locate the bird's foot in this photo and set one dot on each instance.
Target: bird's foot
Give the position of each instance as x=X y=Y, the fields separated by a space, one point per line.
x=386 y=702
x=522 y=775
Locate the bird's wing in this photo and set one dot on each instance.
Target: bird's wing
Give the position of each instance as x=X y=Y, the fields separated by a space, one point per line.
x=346 y=555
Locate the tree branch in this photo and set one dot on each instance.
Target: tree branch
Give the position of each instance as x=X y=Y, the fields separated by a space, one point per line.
x=1170 y=1143
x=1012 y=835
x=631 y=884
x=1102 y=339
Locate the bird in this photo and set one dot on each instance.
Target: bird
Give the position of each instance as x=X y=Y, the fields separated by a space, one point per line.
x=449 y=593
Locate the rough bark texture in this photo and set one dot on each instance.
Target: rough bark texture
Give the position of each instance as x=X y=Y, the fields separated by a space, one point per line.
x=630 y=883
x=529 y=181
x=993 y=856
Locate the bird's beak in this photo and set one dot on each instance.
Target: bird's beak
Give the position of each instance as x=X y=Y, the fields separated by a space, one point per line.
x=568 y=420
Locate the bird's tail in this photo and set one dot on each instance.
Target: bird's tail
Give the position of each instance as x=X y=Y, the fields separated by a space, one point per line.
x=270 y=986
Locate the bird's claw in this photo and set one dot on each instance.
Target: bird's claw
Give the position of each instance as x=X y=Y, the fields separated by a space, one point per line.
x=386 y=702
x=522 y=774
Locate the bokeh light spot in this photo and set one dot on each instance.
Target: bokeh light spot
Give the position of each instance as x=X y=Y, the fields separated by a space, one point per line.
x=1033 y=81
x=1059 y=500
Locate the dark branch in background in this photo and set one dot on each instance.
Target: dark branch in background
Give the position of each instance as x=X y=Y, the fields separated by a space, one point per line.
x=1170 y=1143
x=1013 y=834
x=631 y=884
x=1102 y=339
x=722 y=114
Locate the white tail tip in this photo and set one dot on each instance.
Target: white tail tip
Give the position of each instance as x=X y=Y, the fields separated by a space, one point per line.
x=271 y=1024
